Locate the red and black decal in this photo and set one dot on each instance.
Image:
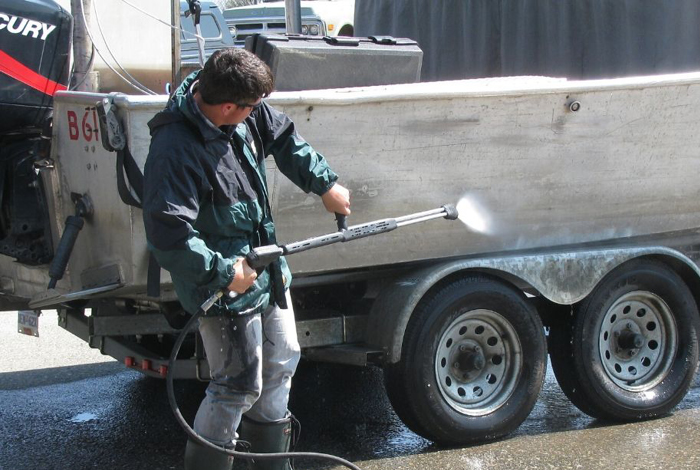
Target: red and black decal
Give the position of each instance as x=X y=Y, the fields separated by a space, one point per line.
x=22 y=73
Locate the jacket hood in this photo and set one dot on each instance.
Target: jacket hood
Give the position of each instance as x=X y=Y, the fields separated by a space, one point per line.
x=182 y=105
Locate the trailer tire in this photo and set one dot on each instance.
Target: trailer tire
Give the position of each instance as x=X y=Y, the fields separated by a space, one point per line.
x=561 y=356
x=633 y=344
x=472 y=365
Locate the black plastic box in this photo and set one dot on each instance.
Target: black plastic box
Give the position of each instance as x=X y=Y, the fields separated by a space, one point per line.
x=312 y=63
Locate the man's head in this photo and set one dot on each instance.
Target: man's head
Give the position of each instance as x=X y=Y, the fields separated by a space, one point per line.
x=235 y=80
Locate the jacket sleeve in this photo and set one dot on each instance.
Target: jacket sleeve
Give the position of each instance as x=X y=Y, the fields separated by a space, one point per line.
x=295 y=158
x=172 y=191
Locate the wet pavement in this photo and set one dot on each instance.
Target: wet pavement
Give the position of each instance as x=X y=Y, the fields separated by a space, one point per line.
x=63 y=406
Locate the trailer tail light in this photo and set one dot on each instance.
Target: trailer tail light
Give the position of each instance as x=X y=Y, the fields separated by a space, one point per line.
x=129 y=361
x=146 y=364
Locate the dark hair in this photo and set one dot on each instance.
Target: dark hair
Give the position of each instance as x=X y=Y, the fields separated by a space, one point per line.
x=234 y=76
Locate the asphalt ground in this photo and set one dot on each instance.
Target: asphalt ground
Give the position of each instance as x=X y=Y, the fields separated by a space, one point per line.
x=65 y=406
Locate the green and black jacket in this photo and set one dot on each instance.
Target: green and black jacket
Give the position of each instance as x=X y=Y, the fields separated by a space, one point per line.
x=206 y=202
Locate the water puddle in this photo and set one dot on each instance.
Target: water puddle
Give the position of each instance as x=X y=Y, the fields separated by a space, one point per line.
x=83 y=418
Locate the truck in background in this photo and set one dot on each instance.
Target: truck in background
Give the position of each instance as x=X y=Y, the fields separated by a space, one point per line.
x=318 y=18
x=588 y=224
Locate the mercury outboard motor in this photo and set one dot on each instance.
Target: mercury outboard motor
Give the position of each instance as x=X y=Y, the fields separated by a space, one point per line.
x=35 y=43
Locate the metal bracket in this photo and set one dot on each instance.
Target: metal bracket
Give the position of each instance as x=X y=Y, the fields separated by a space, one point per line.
x=83 y=205
x=113 y=137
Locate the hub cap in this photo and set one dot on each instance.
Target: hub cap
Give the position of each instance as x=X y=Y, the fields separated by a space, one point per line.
x=478 y=361
x=638 y=340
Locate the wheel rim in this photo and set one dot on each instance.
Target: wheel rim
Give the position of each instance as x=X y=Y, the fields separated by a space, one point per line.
x=638 y=340
x=478 y=362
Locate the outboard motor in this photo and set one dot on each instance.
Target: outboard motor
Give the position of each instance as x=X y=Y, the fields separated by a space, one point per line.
x=35 y=43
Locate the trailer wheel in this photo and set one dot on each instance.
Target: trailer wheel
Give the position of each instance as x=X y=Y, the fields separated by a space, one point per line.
x=472 y=364
x=632 y=348
x=562 y=358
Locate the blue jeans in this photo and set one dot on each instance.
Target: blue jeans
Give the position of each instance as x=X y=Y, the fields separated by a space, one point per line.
x=252 y=359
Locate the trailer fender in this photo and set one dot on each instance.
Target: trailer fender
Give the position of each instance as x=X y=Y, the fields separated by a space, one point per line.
x=562 y=277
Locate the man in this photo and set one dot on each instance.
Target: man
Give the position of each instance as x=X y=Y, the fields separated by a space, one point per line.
x=205 y=206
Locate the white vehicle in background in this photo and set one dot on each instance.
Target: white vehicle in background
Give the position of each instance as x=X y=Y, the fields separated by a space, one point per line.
x=318 y=18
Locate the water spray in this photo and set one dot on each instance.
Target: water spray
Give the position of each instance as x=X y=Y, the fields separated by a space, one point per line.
x=473 y=215
x=259 y=258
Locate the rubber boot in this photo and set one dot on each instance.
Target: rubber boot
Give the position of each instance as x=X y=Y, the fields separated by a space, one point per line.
x=268 y=438
x=201 y=457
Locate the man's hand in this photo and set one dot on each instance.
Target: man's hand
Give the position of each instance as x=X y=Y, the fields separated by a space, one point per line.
x=337 y=199
x=244 y=278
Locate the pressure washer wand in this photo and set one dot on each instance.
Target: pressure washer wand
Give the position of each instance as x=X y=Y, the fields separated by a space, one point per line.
x=260 y=257
x=367 y=230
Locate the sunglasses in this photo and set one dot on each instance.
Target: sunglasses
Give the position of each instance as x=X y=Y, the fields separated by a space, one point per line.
x=246 y=105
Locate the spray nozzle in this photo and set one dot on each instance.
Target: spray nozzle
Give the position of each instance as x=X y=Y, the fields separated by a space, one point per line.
x=451 y=212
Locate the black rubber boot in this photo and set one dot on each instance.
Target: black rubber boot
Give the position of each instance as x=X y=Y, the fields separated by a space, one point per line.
x=201 y=457
x=269 y=438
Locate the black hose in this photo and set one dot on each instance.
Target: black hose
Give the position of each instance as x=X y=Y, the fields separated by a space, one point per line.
x=74 y=224
x=200 y=440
